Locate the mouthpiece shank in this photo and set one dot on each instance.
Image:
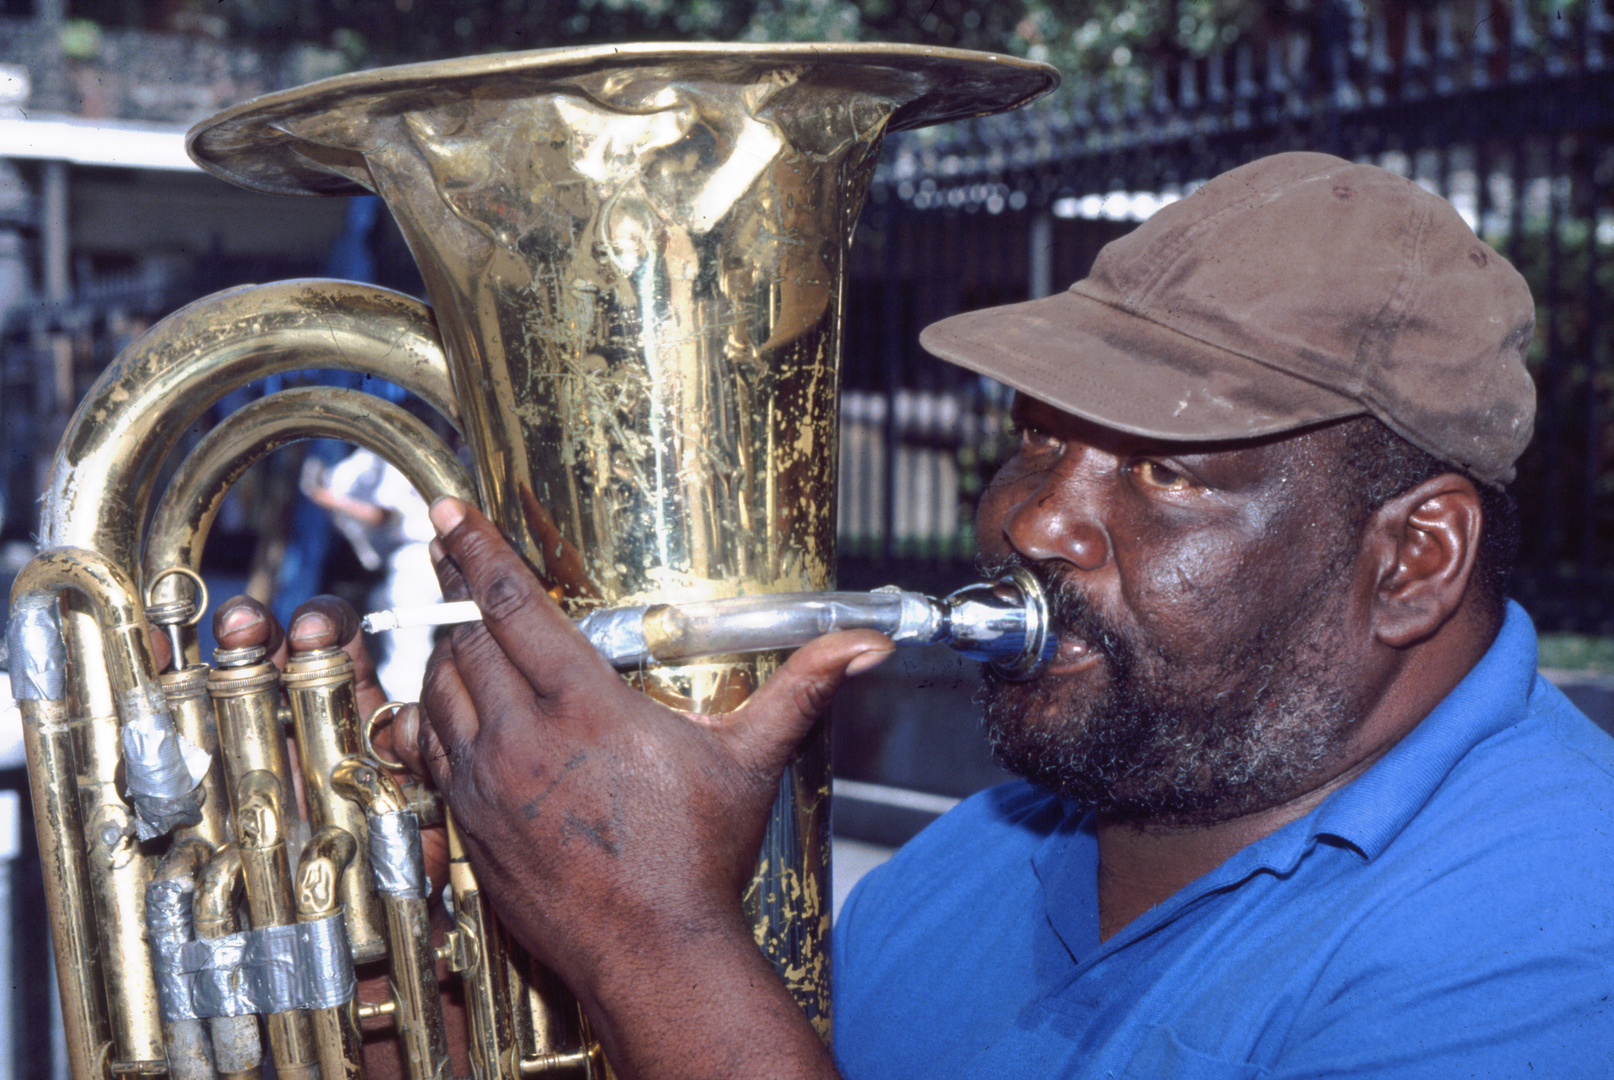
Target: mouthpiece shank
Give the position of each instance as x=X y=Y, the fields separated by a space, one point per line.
x=1003 y=622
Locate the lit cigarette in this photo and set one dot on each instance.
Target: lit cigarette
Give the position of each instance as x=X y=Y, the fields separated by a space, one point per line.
x=460 y=611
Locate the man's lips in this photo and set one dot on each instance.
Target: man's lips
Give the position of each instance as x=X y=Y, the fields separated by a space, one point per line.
x=1074 y=654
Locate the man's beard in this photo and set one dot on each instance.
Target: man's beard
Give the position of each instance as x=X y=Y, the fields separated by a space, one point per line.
x=1173 y=743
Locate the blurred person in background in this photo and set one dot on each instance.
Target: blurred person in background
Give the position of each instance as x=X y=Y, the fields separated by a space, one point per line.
x=381 y=514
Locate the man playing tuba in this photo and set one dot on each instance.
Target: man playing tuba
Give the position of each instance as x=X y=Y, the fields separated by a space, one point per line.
x=1296 y=801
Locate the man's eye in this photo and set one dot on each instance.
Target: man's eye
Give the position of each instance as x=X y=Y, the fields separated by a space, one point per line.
x=1034 y=437
x=1157 y=476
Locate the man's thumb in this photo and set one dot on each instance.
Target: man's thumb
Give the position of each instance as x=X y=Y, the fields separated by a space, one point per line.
x=773 y=720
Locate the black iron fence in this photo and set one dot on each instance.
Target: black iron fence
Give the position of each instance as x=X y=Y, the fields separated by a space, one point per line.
x=1505 y=108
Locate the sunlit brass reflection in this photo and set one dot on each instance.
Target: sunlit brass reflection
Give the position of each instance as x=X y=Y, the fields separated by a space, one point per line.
x=636 y=257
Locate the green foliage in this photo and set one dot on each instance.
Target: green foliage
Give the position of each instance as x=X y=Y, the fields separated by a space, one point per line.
x=804 y=20
x=79 y=39
x=1088 y=37
x=1577 y=652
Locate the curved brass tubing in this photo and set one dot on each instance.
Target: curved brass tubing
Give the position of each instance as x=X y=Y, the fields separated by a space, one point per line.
x=97 y=860
x=337 y=1042
x=96 y=499
x=171 y=924
x=217 y=893
x=114 y=602
x=184 y=860
x=236 y=1047
x=157 y=388
x=186 y=511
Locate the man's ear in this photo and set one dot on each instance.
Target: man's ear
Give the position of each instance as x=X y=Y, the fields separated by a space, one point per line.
x=1428 y=539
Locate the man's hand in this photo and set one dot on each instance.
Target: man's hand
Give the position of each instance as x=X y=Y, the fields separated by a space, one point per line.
x=614 y=834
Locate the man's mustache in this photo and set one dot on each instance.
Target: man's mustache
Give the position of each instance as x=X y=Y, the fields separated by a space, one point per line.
x=1070 y=612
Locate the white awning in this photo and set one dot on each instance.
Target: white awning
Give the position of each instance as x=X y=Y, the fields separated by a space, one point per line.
x=123 y=144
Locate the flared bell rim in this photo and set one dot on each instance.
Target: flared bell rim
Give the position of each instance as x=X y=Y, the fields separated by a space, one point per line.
x=245 y=145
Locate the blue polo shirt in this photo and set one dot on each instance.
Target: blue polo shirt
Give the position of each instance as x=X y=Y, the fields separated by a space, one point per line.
x=1450 y=914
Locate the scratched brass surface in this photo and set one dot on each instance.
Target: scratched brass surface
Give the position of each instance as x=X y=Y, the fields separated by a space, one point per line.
x=636 y=259
x=321 y=880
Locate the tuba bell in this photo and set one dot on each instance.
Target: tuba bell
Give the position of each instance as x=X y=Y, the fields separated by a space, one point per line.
x=635 y=261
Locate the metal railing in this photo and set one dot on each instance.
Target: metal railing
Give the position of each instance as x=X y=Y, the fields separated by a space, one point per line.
x=1505 y=107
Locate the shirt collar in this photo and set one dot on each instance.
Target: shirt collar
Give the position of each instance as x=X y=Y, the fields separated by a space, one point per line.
x=1372 y=810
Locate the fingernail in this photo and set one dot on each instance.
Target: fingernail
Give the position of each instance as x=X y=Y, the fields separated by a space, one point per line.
x=239 y=618
x=435 y=550
x=865 y=660
x=312 y=627
x=446 y=514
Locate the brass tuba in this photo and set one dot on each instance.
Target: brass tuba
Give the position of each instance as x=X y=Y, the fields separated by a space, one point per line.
x=635 y=260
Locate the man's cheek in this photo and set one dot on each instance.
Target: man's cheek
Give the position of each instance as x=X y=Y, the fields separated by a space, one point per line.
x=1193 y=612
x=1194 y=571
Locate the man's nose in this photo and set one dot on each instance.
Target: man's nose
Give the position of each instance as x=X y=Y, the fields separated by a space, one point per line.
x=1060 y=517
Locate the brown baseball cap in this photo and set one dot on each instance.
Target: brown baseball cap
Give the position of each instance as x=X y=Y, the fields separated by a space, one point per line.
x=1293 y=290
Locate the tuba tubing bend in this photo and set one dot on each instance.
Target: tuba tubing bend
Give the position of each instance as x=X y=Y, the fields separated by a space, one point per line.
x=162 y=769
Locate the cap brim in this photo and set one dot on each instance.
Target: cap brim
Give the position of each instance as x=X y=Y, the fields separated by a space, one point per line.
x=1103 y=363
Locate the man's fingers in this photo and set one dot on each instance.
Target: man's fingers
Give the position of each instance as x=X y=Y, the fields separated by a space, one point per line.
x=326 y=622
x=323 y=622
x=449 y=578
x=242 y=622
x=482 y=666
x=403 y=737
x=448 y=718
x=434 y=757
x=765 y=730
x=161 y=651
x=527 y=625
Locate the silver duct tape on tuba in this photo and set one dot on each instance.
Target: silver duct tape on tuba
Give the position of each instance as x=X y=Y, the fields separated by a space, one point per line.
x=635 y=261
